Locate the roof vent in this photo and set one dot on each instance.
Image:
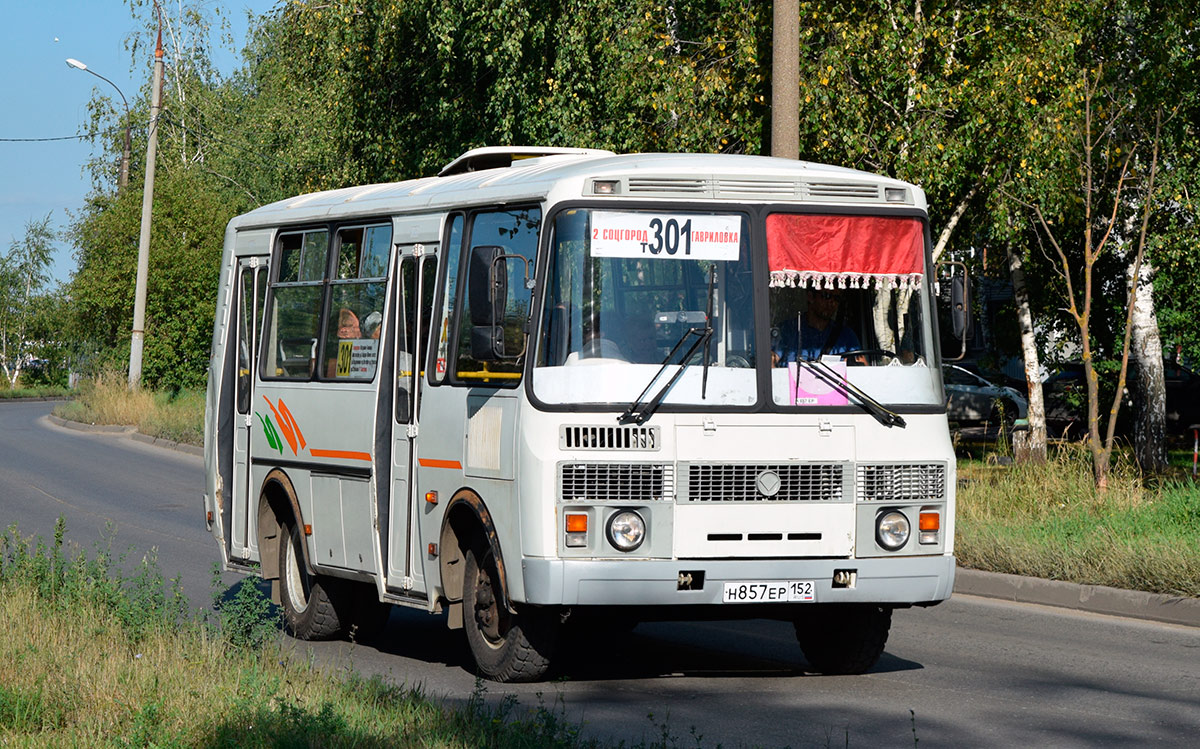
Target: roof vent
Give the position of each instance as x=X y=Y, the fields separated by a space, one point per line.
x=843 y=190
x=500 y=157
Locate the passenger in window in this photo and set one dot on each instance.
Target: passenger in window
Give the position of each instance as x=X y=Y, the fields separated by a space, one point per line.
x=824 y=331
x=348 y=326
x=348 y=329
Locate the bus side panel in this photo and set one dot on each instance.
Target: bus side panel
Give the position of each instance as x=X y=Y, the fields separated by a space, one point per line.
x=325 y=438
x=483 y=463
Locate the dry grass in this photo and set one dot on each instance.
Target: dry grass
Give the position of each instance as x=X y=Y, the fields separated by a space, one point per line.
x=107 y=400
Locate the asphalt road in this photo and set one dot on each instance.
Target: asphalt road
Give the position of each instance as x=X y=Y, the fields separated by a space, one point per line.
x=971 y=672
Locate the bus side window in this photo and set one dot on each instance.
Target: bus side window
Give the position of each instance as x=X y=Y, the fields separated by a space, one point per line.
x=356 y=295
x=515 y=232
x=408 y=347
x=252 y=295
x=441 y=331
x=293 y=320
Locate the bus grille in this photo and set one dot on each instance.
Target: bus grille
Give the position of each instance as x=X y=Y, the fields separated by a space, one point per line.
x=754 y=482
x=901 y=482
x=608 y=437
x=615 y=482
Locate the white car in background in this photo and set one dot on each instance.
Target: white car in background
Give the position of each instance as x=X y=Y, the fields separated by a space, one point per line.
x=972 y=400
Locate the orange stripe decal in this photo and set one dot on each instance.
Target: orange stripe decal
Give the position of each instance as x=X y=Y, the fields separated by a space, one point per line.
x=287 y=414
x=431 y=463
x=344 y=454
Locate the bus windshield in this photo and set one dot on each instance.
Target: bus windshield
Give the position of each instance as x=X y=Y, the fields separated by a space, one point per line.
x=846 y=309
x=624 y=287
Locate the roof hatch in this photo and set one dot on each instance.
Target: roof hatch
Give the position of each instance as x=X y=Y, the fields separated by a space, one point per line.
x=499 y=157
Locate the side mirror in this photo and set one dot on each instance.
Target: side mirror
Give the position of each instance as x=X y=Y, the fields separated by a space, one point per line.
x=959 y=309
x=487 y=296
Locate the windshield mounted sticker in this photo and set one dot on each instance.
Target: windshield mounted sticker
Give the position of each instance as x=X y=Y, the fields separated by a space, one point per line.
x=807 y=389
x=666 y=236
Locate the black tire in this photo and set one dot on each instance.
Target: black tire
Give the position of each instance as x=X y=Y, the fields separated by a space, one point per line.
x=845 y=639
x=506 y=647
x=310 y=602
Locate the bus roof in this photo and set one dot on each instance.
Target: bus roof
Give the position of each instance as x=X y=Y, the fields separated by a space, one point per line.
x=536 y=174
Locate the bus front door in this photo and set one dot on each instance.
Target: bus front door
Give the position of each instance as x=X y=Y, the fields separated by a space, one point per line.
x=418 y=269
x=251 y=295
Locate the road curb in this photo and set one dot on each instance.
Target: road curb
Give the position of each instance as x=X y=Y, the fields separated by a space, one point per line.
x=131 y=431
x=79 y=426
x=1097 y=599
x=168 y=444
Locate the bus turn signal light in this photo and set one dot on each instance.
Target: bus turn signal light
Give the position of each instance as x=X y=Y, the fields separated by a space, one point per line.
x=431 y=497
x=577 y=524
x=930 y=523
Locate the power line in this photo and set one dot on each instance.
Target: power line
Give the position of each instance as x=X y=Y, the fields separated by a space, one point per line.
x=41 y=140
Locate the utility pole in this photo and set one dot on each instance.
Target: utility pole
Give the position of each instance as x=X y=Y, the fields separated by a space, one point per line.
x=785 y=80
x=143 y=261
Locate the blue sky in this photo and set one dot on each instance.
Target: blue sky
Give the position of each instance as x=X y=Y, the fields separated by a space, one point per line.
x=44 y=98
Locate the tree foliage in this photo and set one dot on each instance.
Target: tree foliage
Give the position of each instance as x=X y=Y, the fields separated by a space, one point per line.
x=974 y=101
x=24 y=274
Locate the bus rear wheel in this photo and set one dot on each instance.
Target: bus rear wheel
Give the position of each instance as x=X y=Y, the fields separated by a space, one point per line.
x=844 y=639
x=507 y=647
x=310 y=602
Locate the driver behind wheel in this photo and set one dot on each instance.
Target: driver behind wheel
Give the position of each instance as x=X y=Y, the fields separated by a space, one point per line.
x=823 y=331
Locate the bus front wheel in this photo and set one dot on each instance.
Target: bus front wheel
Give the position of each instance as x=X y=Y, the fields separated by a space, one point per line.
x=844 y=639
x=310 y=607
x=507 y=647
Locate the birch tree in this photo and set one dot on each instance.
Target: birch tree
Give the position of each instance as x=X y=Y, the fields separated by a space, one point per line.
x=23 y=277
x=1102 y=161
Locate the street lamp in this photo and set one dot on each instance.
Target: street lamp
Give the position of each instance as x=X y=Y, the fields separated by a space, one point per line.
x=124 y=179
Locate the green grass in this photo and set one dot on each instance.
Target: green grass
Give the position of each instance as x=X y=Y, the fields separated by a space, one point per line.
x=35 y=392
x=1049 y=521
x=93 y=656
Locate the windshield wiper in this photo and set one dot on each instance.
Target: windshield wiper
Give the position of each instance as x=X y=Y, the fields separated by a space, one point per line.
x=832 y=378
x=640 y=410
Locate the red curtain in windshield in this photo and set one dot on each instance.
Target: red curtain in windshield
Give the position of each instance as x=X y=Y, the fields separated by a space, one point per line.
x=849 y=251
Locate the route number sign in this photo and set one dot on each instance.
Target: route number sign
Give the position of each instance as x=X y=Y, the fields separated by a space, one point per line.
x=666 y=236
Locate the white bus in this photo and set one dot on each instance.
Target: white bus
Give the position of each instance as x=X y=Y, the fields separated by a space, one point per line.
x=562 y=384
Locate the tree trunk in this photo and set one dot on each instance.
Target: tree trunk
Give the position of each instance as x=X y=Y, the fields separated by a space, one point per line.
x=1149 y=386
x=1032 y=445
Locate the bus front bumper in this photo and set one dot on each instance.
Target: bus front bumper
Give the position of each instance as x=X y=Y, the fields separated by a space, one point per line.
x=653 y=582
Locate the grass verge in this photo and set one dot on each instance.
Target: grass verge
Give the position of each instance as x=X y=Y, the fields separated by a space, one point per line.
x=7 y=393
x=93 y=656
x=177 y=416
x=1049 y=521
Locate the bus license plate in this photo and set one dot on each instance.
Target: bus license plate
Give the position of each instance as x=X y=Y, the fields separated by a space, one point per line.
x=773 y=591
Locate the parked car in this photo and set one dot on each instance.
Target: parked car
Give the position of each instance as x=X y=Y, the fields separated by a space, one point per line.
x=1066 y=400
x=972 y=400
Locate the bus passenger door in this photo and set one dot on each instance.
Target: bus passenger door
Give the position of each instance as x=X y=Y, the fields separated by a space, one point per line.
x=251 y=294
x=418 y=269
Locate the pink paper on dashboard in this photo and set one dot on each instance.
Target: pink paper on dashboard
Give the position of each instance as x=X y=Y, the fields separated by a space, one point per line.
x=812 y=391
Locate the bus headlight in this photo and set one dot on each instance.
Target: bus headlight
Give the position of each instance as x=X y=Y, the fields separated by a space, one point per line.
x=626 y=530
x=891 y=530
